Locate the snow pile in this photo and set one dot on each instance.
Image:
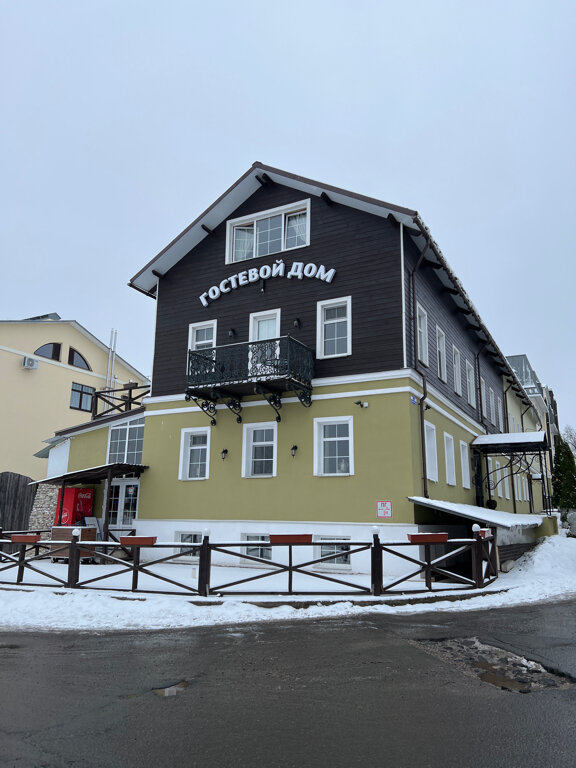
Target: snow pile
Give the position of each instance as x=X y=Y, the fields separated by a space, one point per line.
x=549 y=572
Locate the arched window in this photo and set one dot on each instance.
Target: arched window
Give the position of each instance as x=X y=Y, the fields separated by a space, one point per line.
x=51 y=351
x=76 y=359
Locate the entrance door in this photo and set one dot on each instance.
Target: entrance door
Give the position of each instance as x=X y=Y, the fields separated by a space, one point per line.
x=262 y=358
x=123 y=502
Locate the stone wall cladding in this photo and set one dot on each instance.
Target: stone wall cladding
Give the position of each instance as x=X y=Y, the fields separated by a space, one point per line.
x=44 y=509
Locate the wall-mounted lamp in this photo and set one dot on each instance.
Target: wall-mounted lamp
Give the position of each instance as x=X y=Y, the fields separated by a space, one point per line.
x=297 y=323
x=361 y=404
x=293 y=450
x=224 y=453
x=262 y=285
x=231 y=333
x=427 y=407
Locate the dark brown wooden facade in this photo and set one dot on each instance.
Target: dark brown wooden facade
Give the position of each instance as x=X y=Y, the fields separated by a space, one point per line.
x=363 y=249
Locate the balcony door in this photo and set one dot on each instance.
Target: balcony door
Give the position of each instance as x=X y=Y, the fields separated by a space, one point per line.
x=263 y=357
x=124 y=502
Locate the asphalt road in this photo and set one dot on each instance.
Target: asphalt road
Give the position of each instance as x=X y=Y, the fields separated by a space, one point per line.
x=350 y=692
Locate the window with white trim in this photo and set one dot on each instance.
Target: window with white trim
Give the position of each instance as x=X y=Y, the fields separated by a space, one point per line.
x=431 y=452
x=492 y=400
x=125 y=442
x=470 y=384
x=465 y=464
x=450 y=461
x=457 y=370
x=273 y=231
x=194 y=454
x=490 y=478
x=326 y=548
x=202 y=335
x=334 y=328
x=257 y=545
x=483 y=397
x=422 y=331
x=499 y=479
x=186 y=538
x=506 y=484
x=500 y=415
x=334 y=446
x=259 y=449
x=441 y=353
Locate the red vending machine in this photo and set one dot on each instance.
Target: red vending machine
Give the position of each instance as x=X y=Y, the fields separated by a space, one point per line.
x=77 y=504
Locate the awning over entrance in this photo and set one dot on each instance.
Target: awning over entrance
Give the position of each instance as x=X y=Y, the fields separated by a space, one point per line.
x=511 y=442
x=94 y=474
x=479 y=514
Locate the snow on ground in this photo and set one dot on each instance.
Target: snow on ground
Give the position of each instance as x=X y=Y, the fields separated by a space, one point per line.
x=547 y=573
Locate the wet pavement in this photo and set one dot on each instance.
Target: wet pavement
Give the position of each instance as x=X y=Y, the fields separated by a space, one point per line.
x=405 y=691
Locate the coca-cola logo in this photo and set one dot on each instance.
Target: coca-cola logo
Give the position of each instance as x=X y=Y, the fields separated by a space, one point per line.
x=87 y=495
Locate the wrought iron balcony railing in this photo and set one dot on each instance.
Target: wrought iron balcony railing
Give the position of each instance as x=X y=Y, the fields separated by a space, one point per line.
x=284 y=362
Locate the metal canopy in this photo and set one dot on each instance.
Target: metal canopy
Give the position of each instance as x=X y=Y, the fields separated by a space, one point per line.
x=511 y=442
x=479 y=514
x=94 y=474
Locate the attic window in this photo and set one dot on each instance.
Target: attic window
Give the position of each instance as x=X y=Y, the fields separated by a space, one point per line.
x=77 y=360
x=268 y=232
x=51 y=351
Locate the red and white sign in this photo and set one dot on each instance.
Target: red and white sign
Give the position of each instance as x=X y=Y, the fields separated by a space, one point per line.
x=384 y=510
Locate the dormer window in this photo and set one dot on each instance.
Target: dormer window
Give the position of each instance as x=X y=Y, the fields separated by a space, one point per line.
x=268 y=232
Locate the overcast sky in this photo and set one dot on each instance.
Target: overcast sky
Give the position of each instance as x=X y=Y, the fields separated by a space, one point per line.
x=122 y=120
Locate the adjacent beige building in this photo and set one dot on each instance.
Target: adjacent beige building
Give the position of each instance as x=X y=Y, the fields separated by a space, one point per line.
x=49 y=371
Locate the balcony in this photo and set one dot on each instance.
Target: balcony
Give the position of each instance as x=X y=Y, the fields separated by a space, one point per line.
x=268 y=367
x=110 y=402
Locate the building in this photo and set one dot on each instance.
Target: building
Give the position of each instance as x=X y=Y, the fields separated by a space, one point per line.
x=49 y=371
x=318 y=369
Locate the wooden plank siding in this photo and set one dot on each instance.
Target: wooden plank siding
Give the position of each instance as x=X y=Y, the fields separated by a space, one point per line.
x=442 y=311
x=365 y=251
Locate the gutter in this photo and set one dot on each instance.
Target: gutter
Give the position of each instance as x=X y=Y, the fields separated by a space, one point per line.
x=421 y=404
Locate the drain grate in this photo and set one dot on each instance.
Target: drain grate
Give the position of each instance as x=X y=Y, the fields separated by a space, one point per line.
x=493 y=665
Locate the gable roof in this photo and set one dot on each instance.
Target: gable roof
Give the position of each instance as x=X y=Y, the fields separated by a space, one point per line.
x=146 y=280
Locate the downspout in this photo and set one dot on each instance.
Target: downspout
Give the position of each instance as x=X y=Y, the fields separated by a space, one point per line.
x=522 y=416
x=417 y=368
x=506 y=418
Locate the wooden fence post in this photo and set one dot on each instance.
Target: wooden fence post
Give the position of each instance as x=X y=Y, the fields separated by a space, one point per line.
x=477 y=560
x=74 y=560
x=377 y=569
x=204 y=568
x=21 y=559
x=135 y=567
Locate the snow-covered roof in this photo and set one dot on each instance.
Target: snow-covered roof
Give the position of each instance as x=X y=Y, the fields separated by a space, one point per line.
x=511 y=442
x=480 y=514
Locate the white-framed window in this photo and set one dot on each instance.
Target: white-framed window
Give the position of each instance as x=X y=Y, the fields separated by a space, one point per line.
x=465 y=464
x=272 y=231
x=326 y=547
x=498 y=479
x=500 y=414
x=123 y=502
x=490 y=478
x=334 y=446
x=470 y=384
x=441 y=353
x=483 y=397
x=187 y=538
x=431 y=452
x=264 y=325
x=422 y=331
x=257 y=545
x=334 y=328
x=450 y=460
x=506 y=484
x=259 y=449
x=194 y=454
x=202 y=335
x=492 y=400
x=456 y=366
x=125 y=442
x=526 y=489
x=517 y=492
